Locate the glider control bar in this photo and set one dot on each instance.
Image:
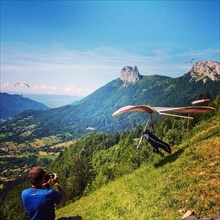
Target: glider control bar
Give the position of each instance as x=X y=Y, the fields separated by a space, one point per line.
x=142 y=135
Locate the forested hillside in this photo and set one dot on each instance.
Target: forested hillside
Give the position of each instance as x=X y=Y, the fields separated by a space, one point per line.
x=124 y=181
x=12 y=105
x=163 y=189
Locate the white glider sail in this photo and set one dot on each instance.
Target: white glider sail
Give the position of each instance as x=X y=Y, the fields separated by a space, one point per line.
x=170 y=111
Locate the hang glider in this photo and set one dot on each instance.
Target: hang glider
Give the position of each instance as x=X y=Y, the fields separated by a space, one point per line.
x=170 y=111
x=21 y=84
x=190 y=61
x=154 y=141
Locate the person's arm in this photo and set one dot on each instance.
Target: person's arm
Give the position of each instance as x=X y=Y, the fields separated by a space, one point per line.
x=59 y=187
x=61 y=190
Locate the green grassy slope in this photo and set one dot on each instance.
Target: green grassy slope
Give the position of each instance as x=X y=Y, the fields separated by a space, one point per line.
x=165 y=188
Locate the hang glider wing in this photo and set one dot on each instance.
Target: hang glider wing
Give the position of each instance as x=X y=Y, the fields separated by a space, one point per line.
x=200 y=101
x=170 y=111
x=22 y=84
x=183 y=110
x=137 y=108
x=190 y=109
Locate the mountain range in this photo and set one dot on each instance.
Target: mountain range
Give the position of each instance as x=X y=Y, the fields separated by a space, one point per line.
x=95 y=111
x=53 y=101
x=12 y=105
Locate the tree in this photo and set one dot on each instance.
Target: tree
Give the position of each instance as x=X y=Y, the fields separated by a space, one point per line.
x=81 y=175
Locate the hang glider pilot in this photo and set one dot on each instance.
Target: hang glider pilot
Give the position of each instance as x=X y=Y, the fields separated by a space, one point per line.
x=156 y=143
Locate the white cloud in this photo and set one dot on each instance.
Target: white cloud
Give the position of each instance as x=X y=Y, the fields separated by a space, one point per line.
x=5 y=85
x=66 y=71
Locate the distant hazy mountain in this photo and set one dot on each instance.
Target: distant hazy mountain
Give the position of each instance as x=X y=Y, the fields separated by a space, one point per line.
x=53 y=101
x=96 y=109
x=11 y=105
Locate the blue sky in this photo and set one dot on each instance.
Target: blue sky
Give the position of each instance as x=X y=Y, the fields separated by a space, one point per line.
x=76 y=47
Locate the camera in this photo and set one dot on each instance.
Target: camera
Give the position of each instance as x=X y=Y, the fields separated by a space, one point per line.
x=49 y=176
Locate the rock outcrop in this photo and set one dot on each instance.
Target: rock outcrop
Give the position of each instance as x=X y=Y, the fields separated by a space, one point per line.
x=130 y=75
x=205 y=70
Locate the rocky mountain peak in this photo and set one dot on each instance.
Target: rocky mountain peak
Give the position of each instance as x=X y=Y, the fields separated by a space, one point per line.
x=130 y=75
x=205 y=70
